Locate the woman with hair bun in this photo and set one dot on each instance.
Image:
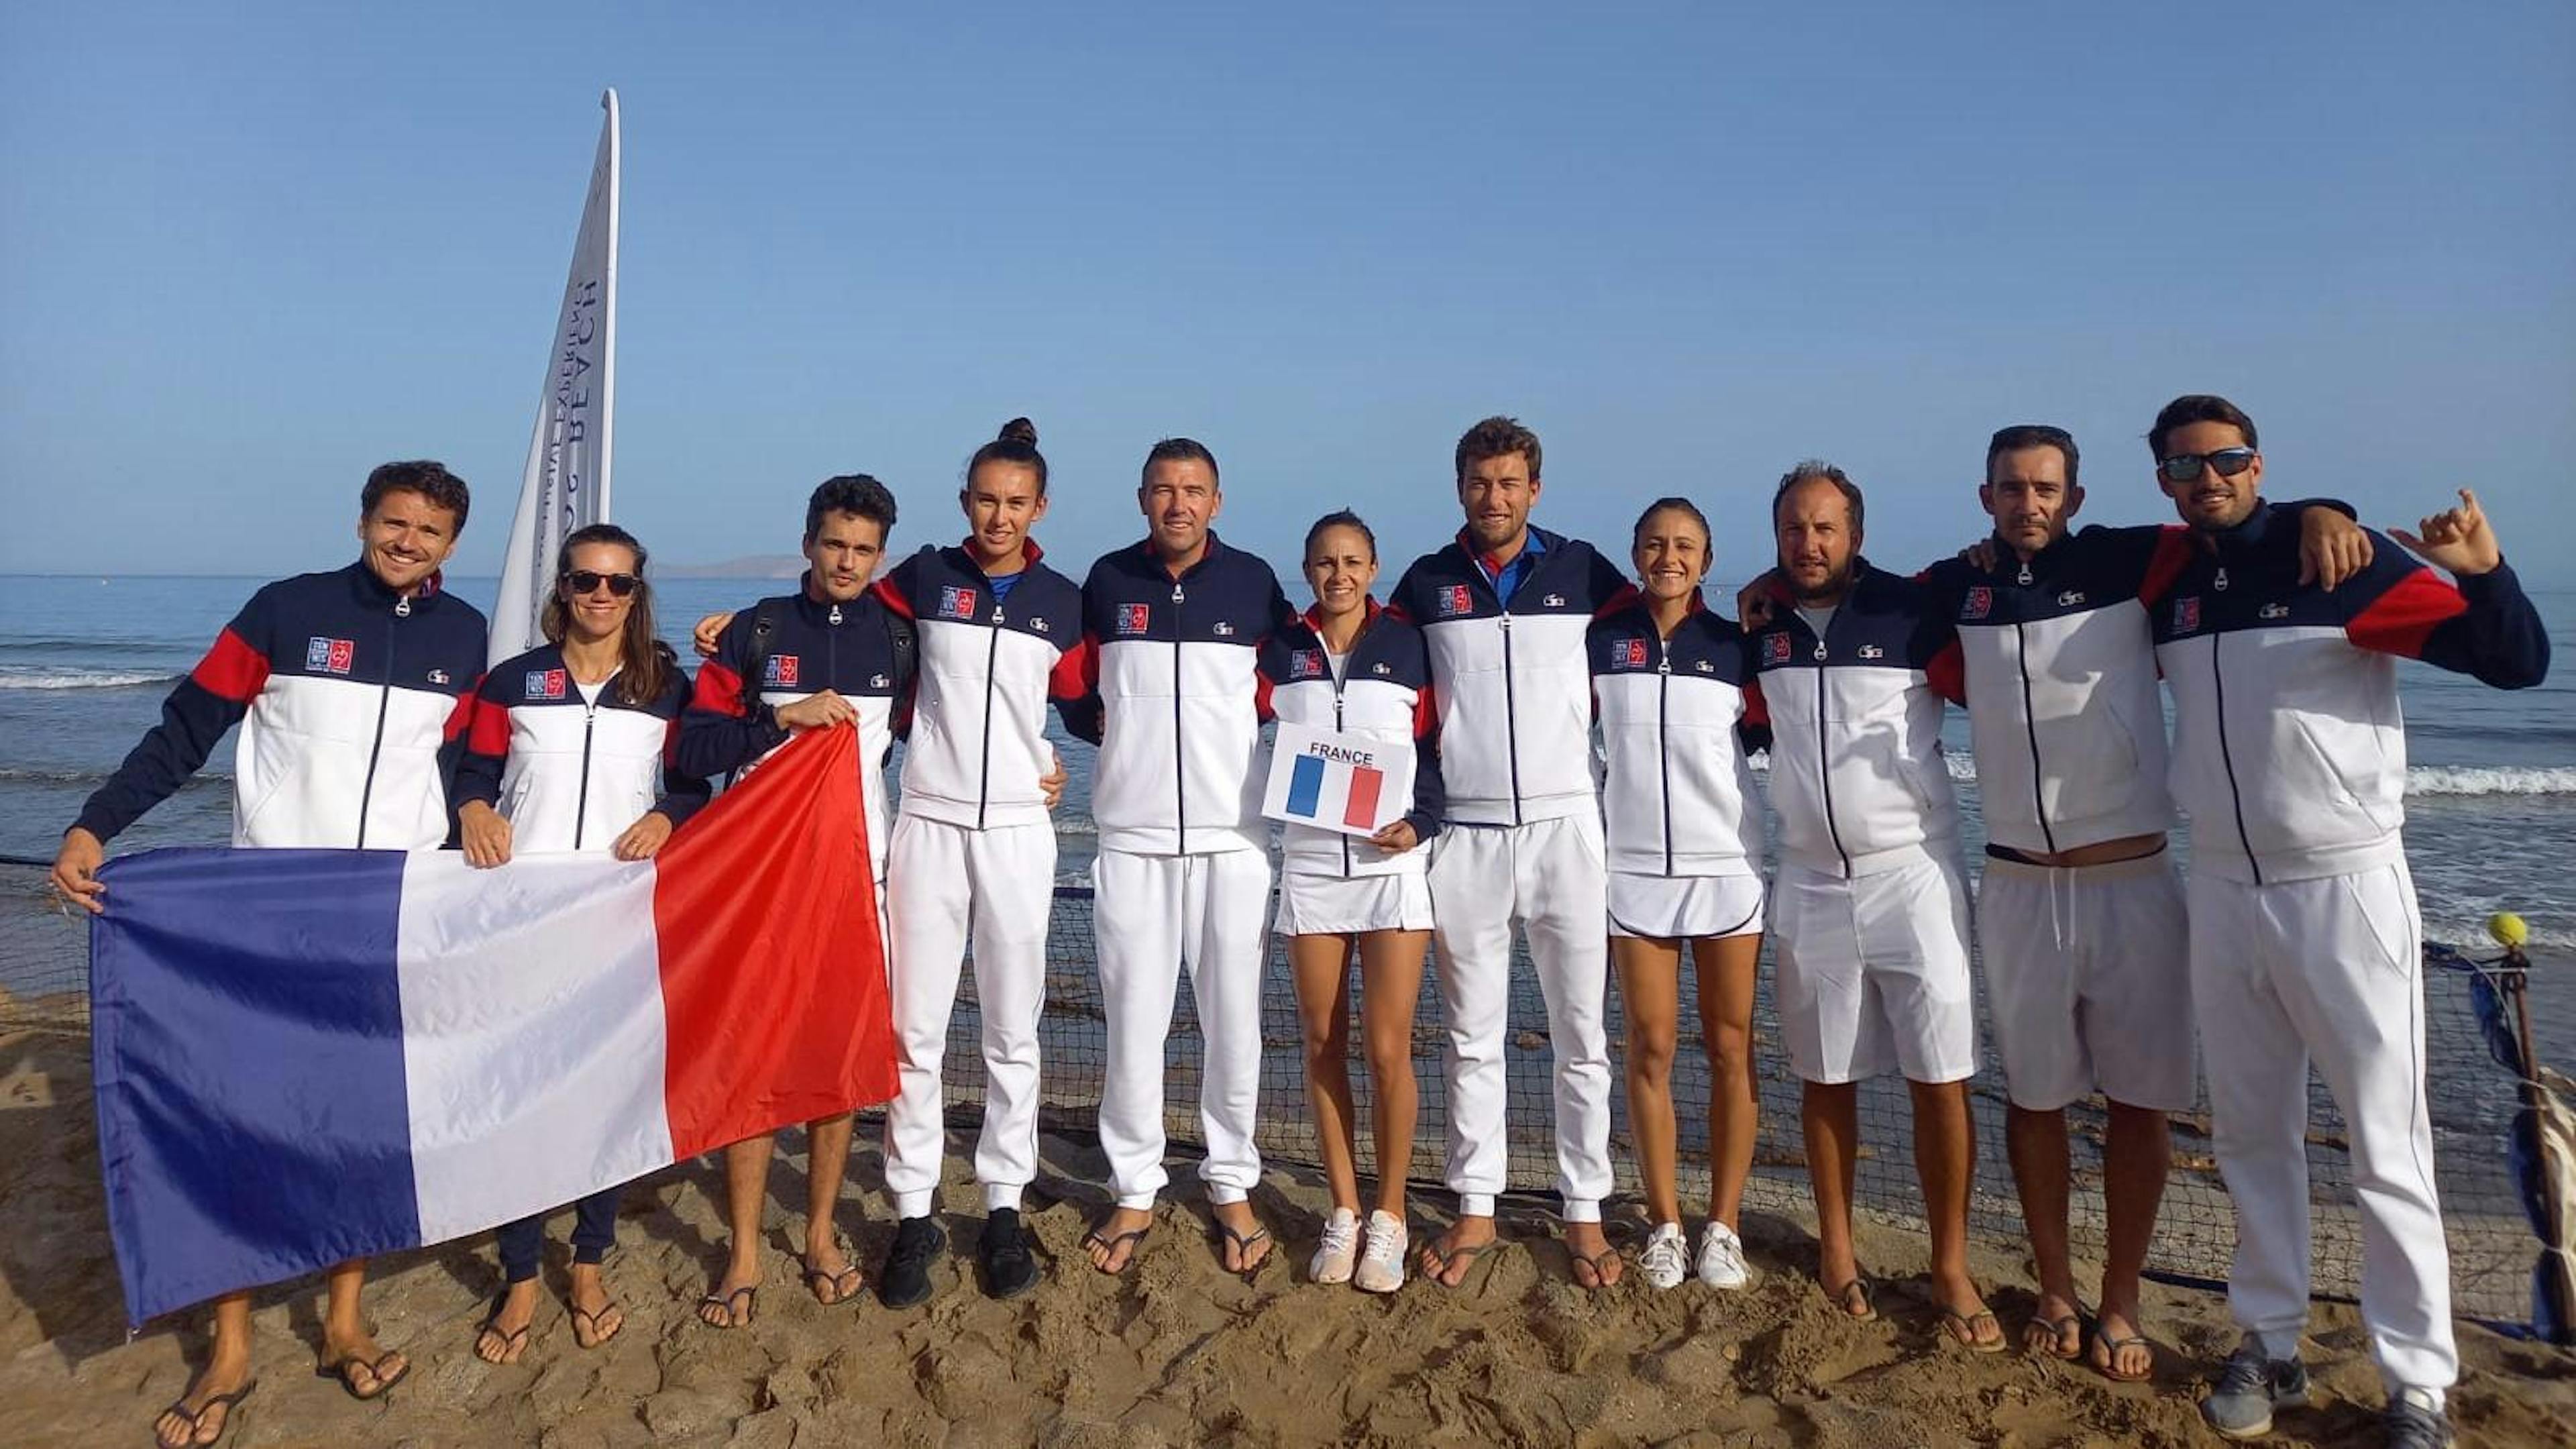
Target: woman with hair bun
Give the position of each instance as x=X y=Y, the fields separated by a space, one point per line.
x=1679 y=714
x=973 y=854
x=567 y=750
x=1351 y=668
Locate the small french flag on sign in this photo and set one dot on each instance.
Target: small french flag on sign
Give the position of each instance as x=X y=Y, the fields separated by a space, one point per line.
x=1359 y=805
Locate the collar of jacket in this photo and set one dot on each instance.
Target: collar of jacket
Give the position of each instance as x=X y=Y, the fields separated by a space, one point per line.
x=1154 y=561
x=374 y=591
x=1029 y=553
x=1314 y=619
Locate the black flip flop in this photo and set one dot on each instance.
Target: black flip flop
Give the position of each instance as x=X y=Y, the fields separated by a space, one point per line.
x=839 y=1295
x=338 y=1368
x=1860 y=1283
x=491 y=1326
x=724 y=1301
x=2101 y=1338
x=2057 y=1328
x=1600 y=1275
x=1109 y=1247
x=196 y=1420
x=584 y=1321
x=1466 y=1253
x=1960 y=1329
x=1243 y=1244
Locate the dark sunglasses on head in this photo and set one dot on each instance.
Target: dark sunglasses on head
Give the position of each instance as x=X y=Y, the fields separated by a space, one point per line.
x=584 y=581
x=2183 y=467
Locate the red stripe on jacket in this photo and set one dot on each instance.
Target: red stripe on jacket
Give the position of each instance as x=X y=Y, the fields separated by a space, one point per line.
x=2400 y=620
x=232 y=670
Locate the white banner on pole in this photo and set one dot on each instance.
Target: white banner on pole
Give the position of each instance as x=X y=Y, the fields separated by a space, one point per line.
x=565 y=485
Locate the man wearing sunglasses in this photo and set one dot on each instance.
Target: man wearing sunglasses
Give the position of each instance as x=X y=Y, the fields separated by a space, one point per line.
x=2289 y=755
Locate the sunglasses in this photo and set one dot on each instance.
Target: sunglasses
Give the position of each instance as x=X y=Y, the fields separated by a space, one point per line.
x=2184 y=467
x=583 y=581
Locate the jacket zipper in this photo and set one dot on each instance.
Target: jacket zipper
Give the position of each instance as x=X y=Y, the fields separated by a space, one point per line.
x=589 y=722
x=1511 y=713
x=1347 y=661
x=1180 y=755
x=384 y=702
x=1664 y=745
x=2030 y=723
x=984 y=771
x=1824 y=767
x=2227 y=758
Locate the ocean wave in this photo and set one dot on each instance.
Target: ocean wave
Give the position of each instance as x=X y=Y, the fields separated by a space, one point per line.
x=2470 y=936
x=38 y=775
x=2420 y=779
x=20 y=678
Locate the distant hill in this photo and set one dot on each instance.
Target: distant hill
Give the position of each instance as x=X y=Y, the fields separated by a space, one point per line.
x=749 y=566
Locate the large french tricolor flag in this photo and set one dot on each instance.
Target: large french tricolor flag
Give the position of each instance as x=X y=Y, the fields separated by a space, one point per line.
x=304 y=1056
x=1331 y=792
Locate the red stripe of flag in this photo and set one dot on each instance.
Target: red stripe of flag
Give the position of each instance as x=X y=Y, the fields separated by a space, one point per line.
x=1362 y=809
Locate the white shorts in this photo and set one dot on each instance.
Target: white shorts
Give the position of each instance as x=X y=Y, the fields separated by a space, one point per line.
x=1873 y=973
x=2088 y=970
x=1331 y=905
x=1684 y=907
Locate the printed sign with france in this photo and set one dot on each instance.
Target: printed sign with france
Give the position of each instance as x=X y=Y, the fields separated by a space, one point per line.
x=1351 y=784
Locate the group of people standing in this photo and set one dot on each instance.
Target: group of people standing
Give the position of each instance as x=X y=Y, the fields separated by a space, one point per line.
x=368 y=720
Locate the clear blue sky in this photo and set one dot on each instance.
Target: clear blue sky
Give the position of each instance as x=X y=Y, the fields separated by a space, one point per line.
x=243 y=258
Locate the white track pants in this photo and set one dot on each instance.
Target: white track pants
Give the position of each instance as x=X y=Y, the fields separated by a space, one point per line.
x=994 y=888
x=1156 y=916
x=1548 y=878
x=2331 y=971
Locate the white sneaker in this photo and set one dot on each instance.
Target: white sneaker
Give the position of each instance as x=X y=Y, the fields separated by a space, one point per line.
x=1334 y=1256
x=1381 y=1267
x=1721 y=1258
x=1666 y=1261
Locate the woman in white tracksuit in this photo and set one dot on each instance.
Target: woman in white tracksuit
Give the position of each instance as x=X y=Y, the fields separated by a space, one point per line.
x=1678 y=715
x=566 y=751
x=1353 y=669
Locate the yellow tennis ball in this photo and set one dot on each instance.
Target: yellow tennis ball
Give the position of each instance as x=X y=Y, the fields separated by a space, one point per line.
x=2508 y=929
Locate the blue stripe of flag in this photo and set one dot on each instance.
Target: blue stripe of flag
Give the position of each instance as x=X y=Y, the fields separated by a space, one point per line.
x=247 y=1038
x=1305 y=785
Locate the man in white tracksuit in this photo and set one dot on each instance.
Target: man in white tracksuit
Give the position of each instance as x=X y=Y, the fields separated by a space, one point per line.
x=1172 y=629
x=1505 y=608
x=974 y=853
x=2289 y=755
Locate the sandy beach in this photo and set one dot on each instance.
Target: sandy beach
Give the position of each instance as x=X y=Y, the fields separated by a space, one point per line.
x=1178 y=1352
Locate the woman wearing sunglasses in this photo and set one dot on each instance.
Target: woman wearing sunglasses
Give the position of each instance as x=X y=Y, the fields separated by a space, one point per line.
x=567 y=751
x=1679 y=714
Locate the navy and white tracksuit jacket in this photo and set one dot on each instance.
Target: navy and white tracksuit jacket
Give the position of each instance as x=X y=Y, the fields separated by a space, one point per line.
x=353 y=701
x=731 y=725
x=1513 y=690
x=1679 y=718
x=1384 y=695
x=1512 y=687
x=2069 y=728
x=1857 y=774
x=974 y=853
x=1175 y=699
x=2289 y=756
x=2289 y=748
x=567 y=773
x=977 y=748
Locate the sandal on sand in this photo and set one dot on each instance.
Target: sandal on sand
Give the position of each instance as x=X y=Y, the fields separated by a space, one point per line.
x=585 y=1324
x=818 y=1280
x=1435 y=1264
x=346 y=1371
x=2110 y=1347
x=1866 y=1291
x=1244 y=1243
x=2055 y=1330
x=1597 y=1266
x=196 y=1421
x=511 y=1339
x=1961 y=1328
x=1133 y=1241
x=722 y=1303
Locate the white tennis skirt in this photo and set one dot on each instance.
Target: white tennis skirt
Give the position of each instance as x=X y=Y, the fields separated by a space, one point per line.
x=1684 y=907
x=1330 y=905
